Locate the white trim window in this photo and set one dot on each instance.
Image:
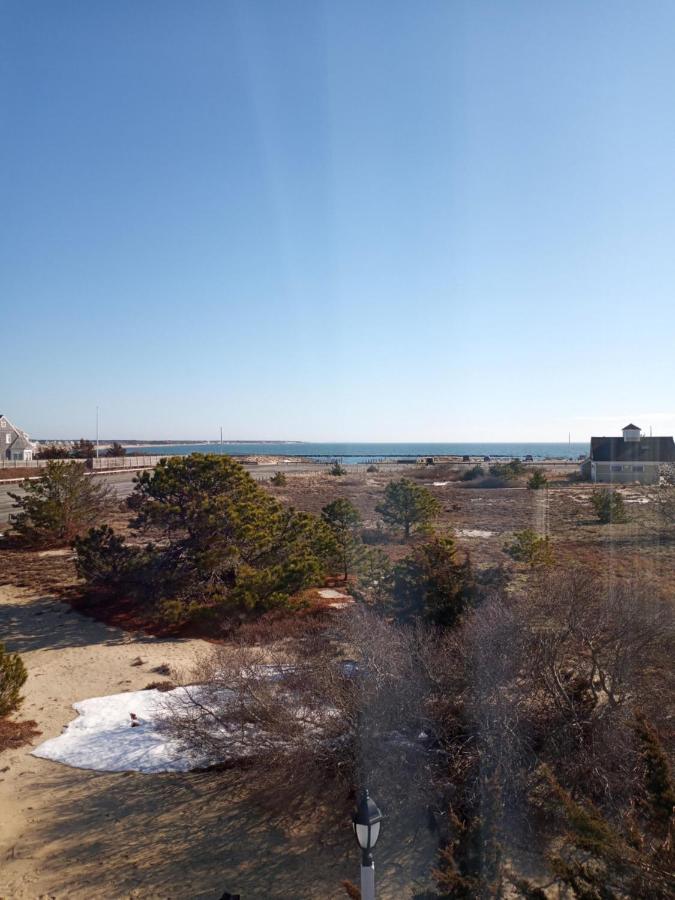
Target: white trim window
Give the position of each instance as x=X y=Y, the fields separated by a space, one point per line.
x=8 y=437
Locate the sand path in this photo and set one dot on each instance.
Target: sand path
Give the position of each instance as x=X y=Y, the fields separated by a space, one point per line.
x=69 y=833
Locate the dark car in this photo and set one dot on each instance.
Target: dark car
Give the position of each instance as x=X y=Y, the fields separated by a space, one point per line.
x=529 y=458
x=466 y=459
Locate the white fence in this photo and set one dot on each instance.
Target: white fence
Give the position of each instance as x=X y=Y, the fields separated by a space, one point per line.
x=103 y=463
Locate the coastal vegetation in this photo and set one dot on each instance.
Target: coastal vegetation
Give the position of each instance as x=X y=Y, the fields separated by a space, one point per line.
x=473 y=473
x=115 y=450
x=433 y=584
x=52 y=451
x=531 y=548
x=83 y=449
x=407 y=505
x=508 y=470
x=345 y=522
x=218 y=543
x=609 y=506
x=537 y=480
x=63 y=503
x=13 y=676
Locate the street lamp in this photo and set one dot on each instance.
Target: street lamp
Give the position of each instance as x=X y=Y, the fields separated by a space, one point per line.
x=366 y=822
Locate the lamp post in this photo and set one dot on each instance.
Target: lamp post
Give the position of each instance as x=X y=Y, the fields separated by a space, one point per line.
x=366 y=821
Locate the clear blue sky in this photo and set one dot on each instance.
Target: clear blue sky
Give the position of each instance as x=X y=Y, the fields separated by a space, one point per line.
x=337 y=221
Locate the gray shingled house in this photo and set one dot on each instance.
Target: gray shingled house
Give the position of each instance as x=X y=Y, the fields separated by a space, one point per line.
x=14 y=443
x=631 y=457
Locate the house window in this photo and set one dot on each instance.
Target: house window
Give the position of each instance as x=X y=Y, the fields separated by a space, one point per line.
x=638 y=468
x=8 y=438
x=616 y=468
x=3 y=424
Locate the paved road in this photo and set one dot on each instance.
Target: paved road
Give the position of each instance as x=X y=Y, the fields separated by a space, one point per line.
x=123 y=482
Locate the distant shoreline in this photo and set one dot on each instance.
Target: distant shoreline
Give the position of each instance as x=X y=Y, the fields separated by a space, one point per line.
x=131 y=443
x=198 y=443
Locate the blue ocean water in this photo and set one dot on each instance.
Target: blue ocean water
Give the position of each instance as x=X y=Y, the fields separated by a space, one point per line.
x=366 y=452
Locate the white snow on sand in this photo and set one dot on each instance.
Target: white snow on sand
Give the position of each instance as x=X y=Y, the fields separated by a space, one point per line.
x=103 y=738
x=474 y=532
x=339 y=599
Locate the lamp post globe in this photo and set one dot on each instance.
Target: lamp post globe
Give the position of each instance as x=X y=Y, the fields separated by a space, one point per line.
x=366 y=822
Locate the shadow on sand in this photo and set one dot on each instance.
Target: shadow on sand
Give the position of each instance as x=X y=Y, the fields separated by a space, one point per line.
x=201 y=834
x=47 y=624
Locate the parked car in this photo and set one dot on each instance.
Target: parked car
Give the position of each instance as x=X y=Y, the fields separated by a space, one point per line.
x=529 y=458
x=466 y=459
x=486 y=459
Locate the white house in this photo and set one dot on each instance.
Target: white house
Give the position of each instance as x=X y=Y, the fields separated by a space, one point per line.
x=14 y=443
x=631 y=457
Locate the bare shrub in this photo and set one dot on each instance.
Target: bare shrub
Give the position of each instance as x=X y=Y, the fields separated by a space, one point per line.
x=337 y=714
x=554 y=676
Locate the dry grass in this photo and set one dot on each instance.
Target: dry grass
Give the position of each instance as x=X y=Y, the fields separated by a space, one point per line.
x=17 y=734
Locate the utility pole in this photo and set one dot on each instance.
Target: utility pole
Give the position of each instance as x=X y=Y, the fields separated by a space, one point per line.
x=97 y=432
x=221 y=439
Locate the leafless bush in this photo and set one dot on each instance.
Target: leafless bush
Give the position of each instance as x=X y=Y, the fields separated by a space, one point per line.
x=551 y=676
x=340 y=713
x=556 y=675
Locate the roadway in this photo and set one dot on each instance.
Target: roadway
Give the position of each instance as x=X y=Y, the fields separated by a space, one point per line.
x=123 y=482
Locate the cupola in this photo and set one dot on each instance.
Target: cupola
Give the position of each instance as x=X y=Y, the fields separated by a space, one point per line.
x=631 y=433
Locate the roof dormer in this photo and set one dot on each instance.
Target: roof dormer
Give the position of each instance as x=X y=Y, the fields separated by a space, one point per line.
x=631 y=433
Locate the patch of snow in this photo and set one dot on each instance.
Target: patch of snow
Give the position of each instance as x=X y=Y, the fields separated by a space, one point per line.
x=474 y=532
x=339 y=599
x=119 y=733
x=125 y=733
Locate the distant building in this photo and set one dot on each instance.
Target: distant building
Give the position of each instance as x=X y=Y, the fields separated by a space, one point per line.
x=631 y=457
x=14 y=443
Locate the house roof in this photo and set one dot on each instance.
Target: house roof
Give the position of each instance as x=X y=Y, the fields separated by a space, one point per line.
x=647 y=449
x=21 y=442
x=631 y=427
